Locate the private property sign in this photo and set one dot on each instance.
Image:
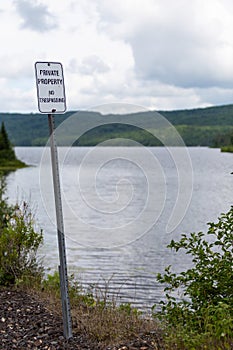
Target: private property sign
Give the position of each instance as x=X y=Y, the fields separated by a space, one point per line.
x=51 y=99
x=50 y=87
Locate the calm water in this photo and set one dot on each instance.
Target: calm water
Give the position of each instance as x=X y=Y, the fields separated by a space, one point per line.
x=121 y=207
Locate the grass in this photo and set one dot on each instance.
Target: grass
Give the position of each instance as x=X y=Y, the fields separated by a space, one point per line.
x=227 y=149
x=103 y=321
x=11 y=165
x=110 y=325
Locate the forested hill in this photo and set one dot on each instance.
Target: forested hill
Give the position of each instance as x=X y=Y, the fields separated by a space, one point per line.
x=212 y=126
x=219 y=115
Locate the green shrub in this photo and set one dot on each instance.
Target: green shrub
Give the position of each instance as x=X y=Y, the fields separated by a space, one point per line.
x=205 y=312
x=5 y=209
x=19 y=242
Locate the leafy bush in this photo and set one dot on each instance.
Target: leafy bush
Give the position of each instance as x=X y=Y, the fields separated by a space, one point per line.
x=205 y=313
x=5 y=208
x=19 y=242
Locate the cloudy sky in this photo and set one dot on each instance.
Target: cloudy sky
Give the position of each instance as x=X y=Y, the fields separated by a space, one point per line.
x=160 y=54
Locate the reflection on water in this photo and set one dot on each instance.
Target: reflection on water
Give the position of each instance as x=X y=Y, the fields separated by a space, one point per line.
x=116 y=208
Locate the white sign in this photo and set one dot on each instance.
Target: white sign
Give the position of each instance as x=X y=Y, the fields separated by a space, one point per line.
x=50 y=87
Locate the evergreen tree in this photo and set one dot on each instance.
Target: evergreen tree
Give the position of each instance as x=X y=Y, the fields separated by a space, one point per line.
x=8 y=159
x=4 y=140
x=6 y=150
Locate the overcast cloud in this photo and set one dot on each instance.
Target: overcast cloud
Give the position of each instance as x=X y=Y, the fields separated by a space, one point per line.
x=35 y=16
x=160 y=54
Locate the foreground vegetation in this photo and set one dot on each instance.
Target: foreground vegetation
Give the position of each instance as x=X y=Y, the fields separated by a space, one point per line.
x=93 y=313
x=202 y=318
x=19 y=242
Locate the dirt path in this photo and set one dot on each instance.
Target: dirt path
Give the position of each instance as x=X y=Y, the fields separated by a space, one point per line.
x=26 y=323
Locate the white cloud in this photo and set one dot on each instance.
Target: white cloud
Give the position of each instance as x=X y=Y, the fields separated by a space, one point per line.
x=160 y=54
x=93 y=64
x=35 y=15
x=187 y=44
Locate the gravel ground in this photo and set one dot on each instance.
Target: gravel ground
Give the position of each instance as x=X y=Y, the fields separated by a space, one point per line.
x=26 y=323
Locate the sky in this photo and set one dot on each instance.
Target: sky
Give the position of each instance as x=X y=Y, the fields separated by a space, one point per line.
x=158 y=54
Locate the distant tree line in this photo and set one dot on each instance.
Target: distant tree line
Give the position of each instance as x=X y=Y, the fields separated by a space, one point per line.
x=212 y=126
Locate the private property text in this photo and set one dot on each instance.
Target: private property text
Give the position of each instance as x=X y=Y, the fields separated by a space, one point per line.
x=52 y=81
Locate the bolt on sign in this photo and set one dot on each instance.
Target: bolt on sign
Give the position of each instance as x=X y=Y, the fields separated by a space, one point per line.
x=50 y=87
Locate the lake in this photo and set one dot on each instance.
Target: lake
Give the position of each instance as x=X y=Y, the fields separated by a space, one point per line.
x=122 y=206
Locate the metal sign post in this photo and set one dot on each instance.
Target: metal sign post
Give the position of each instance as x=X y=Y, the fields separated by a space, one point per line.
x=60 y=234
x=51 y=99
